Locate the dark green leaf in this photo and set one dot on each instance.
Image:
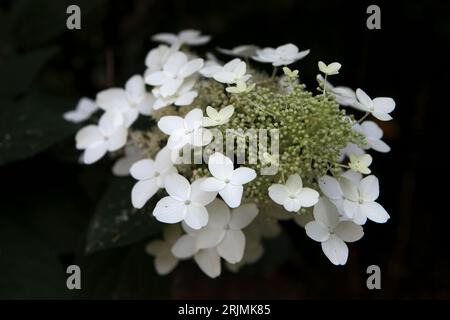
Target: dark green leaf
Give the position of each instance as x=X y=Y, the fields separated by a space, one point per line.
x=32 y=125
x=116 y=223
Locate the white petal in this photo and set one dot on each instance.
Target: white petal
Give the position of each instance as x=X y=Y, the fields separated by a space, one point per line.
x=177 y=187
x=163 y=160
x=242 y=216
x=169 y=124
x=384 y=105
x=363 y=98
x=242 y=175
x=190 y=68
x=193 y=119
x=371 y=130
x=135 y=88
x=232 y=195
x=225 y=77
x=170 y=87
x=350 y=209
x=232 y=246
x=118 y=139
x=200 y=196
x=169 y=210
x=87 y=136
x=350 y=189
x=165 y=263
x=326 y=213
x=378 y=145
x=382 y=116
x=292 y=205
x=209 y=262
x=155 y=247
x=220 y=166
x=112 y=99
x=219 y=214
x=169 y=38
x=142 y=192
x=175 y=62
x=212 y=184
x=374 y=212
x=110 y=121
x=95 y=152
x=369 y=189
x=143 y=169
x=349 y=231
x=184 y=247
x=196 y=216
x=336 y=250
x=278 y=193
x=177 y=140
x=330 y=187
x=294 y=183
x=308 y=197
x=209 y=237
x=186 y=98
x=157 y=78
x=317 y=231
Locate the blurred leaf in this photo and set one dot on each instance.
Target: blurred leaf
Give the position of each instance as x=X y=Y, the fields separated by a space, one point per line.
x=116 y=223
x=125 y=273
x=31 y=125
x=17 y=73
x=29 y=268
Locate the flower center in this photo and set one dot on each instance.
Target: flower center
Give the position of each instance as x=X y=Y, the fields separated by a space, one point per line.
x=227 y=180
x=187 y=202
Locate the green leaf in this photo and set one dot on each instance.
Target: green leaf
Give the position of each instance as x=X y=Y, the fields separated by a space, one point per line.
x=29 y=268
x=116 y=223
x=18 y=72
x=32 y=125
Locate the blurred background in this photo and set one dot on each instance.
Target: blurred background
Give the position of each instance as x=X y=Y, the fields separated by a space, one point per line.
x=49 y=202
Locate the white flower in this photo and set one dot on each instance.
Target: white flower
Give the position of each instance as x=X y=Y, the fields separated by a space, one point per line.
x=217 y=118
x=293 y=196
x=378 y=107
x=156 y=58
x=131 y=102
x=226 y=180
x=84 y=110
x=108 y=135
x=165 y=261
x=373 y=134
x=360 y=163
x=345 y=96
x=122 y=166
x=281 y=56
x=232 y=72
x=186 y=202
x=332 y=233
x=176 y=69
x=241 y=87
x=185 y=131
x=243 y=51
x=224 y=229
x=331 y=69
x=189 y=37
x=292 y=74
x=359 y=200
x=184 y=96
x=151 y=175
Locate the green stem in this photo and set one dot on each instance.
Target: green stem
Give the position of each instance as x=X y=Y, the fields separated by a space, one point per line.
x=364 y=117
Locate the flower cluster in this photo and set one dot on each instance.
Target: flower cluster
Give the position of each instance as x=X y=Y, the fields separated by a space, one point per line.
x=223 y=204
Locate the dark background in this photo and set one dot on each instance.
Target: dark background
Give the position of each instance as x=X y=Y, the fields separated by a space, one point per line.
x=48 y=200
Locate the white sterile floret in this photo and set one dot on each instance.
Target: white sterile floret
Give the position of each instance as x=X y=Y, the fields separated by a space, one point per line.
x=226 y=180
x=186 y=202
x=292 y=195
x=151 y=176
x=174 y=72
x=360 y=163
x=231 y=73
x=109 y=135
x=164 y=260
x=331 y=69
x=359 y=200
x=190 y=37
x=129 y=102
x=156 y=58
x=331 y=232
x=84 y=110
x=122 y=166
x=373 y=134
x=217 y=118
x=281 y=56
x=345 y=96
x=185 y=131
x=241 y=87
x=378 y=107
x=242 y=51
x=184 y=96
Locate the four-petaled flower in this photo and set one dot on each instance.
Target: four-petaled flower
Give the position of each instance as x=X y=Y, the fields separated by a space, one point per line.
x=217 y=118
x=186 y=202
x=331 y=232
x=84 y=110
x=232 y=72
x=189 y=37
x=360 y=163
x=151 y=175
x=226 y=180
x=331 y=69
x=378 y=107
x=292 y=195
x=281 y=56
